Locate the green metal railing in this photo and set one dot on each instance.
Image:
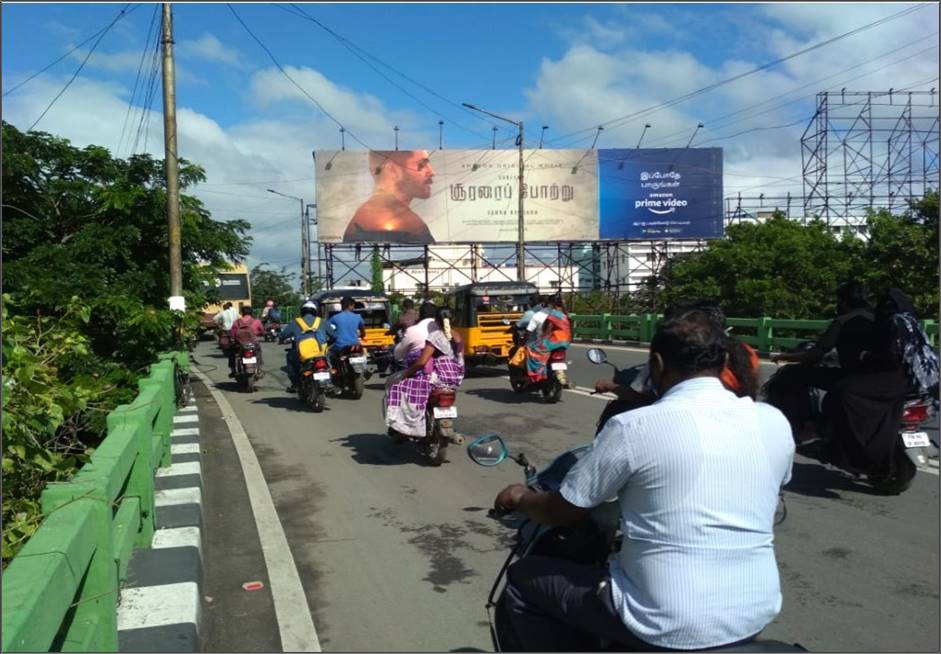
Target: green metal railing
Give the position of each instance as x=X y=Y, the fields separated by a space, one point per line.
x=60 y=591
x=764 y=334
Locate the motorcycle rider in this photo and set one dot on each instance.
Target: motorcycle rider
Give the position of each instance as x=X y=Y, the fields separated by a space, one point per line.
x=309 y=315
x=345 y=328
x=696 y=568
x=246 y=331
x=406 y=319
x=415 y=336
x=224 y=320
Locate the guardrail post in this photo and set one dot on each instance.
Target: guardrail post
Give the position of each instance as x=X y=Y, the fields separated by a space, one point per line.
x=647 y=326
x=161 y=377
x=765 y=334
x=94 y=626
x=931 y=330
x=141 y=481
x=605 y=326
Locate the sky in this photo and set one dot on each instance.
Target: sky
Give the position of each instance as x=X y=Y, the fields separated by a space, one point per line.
x=569 y=66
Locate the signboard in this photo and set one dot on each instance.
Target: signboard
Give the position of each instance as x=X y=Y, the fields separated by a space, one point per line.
x=660 y=194
x=471 y=196
x=455 y=196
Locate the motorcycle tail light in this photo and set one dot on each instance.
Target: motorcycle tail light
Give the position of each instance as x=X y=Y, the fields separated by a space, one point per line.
x=443 y=400
x=320 y=364
x=308 y=373
x=249 y=353
x=557 y=355
x=915 y=415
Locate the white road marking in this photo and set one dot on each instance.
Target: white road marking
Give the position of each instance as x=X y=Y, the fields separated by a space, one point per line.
x=177 y=537
x=175 y=496
x=158 y=606
x=188 y=409
x=295 y=623
x=187 y=468
x=185 y=431
x=179 y=420
x=184 y=448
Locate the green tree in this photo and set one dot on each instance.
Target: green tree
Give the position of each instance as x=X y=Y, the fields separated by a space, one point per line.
x=378 y=284
x=276 y=285
x=776 y=268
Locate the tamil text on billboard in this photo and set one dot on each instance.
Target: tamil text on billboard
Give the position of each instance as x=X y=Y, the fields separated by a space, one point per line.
x=472 y=196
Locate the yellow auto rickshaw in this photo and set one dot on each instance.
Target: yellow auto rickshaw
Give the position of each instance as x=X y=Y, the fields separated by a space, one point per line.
x=482 y=315
x=374 y=308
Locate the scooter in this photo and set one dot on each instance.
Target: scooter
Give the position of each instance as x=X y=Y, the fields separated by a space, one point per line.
x=590 y=541
x=349 y=375
x=247 y=369
x=912 y=447
x=557 y=372
x=315 y=383
x=272 y=332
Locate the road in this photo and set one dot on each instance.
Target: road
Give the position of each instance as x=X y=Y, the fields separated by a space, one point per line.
x=397 y=556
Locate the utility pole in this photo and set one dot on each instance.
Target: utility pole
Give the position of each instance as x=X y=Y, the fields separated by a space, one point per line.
x=177 y=302
x=521 y=241
x=305 y=249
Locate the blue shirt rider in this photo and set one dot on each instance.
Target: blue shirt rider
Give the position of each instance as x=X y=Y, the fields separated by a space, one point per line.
x=346 y=328
x=292 y=330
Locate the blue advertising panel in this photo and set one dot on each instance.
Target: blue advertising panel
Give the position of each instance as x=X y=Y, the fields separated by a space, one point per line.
x=660 y=194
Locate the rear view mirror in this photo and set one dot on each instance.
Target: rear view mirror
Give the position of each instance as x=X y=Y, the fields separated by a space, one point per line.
x=506 y=321
x=386 y=325
x=597 y=356
x=488 y=450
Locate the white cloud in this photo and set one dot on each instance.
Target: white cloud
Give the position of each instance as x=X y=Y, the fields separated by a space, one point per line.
x=209 y=48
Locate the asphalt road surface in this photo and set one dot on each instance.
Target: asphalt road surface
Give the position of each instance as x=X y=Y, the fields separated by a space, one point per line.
x=395 y=555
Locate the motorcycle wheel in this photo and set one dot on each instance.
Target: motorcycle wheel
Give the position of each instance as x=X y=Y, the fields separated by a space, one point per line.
x=901 y=477
x=436 y=445
x=552 y=391
x=501 y=632
x=356 y=390
x=518 y=385
x=248 y=383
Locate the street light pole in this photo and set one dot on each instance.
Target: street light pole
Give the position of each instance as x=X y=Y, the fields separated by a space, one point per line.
x=305 y=248
x=309 y=222
x=521 y=238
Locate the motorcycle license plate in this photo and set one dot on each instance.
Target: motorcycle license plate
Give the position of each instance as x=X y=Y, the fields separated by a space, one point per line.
x=322 y=376
x=247 y=360
x=355 y=360
x=449 y=412
x=916 y=439
x=560 y=366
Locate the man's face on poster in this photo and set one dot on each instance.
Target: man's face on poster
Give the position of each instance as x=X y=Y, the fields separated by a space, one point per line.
x=414 y=174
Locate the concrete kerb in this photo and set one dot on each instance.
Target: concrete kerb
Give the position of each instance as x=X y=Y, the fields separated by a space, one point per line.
x=159 y=609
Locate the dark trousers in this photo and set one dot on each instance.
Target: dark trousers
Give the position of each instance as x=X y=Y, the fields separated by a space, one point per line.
x=555 y=605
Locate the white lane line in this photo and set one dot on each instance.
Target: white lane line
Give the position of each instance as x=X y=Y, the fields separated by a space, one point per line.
x=158 y=606
x=930 y=471
x=184 y=448
x=177 y=537
x=188 y=409
x=179 y=420
x=187 y=468
x=175 y=496
x=185 y=431
x=295 y=623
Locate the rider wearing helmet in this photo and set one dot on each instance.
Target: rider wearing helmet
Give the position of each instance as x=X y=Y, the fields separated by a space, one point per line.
x=293 y=330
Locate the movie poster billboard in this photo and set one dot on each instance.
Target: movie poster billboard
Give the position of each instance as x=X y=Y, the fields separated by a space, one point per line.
x=455 y=196
x=660 y=194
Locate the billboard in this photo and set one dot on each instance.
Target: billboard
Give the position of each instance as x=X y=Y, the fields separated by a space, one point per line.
x=663 y=193
x=455 y=196
x=471 y=196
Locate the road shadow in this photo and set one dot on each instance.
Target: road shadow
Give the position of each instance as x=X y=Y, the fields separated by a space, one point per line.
x=504 y=395
x=467 y=649
x=289 y=402
x=379 y=450
x=815 y=480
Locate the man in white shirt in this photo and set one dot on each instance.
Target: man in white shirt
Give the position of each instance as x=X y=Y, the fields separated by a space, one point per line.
x=697 y=475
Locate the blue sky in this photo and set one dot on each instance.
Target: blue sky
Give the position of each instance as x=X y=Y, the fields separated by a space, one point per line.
x=571 y=66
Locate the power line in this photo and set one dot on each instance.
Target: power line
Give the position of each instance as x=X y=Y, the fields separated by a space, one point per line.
x=623 y=120
x=137 y=78
x=149 y=96
x=48 y=66
x=107 y=29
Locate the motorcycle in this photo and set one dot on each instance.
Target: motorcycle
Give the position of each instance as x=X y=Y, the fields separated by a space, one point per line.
x=440 y=413
x=315 y=383
x=912 y=447
x=590 y=541
x=350 y=372
x=557 y=373
x=272 y=332
x=247 y=369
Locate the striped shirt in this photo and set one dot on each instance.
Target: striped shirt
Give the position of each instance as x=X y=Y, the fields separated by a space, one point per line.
x=697 y=475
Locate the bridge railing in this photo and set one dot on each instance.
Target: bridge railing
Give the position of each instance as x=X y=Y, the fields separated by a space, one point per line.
x=60 y=591
x=764 y=334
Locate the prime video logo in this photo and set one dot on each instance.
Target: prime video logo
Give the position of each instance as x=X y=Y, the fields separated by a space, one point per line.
x=660 y=207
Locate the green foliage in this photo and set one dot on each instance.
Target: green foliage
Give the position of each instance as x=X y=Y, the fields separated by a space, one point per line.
x=275 y=285
x=378 y=284
x=85 y=275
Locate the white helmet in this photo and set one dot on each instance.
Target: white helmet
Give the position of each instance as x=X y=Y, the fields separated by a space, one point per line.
x=309 y=306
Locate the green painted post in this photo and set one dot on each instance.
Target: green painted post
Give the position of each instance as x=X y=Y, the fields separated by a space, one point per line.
x=141 y=481
x=95 y=623
x=765 y=334
x=647 y=327
x=605 y=326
